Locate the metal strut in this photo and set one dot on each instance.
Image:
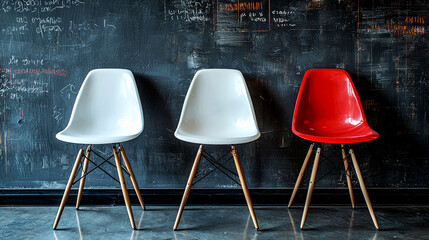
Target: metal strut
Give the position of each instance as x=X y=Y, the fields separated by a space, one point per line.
x=209 y=168
x=123 y=168
x=106 y=160
x=218 y=164
x=349 y=166
x=335 y=165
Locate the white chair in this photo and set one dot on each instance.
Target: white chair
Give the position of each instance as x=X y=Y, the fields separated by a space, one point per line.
x=217 y=110
x=107 y=110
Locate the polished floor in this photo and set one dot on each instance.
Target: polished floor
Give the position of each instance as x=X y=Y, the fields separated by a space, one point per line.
x=214 y=222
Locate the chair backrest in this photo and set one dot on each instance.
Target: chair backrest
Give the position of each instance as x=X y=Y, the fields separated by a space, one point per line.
x=108 y=102
x=218 y=105
x=328 y=99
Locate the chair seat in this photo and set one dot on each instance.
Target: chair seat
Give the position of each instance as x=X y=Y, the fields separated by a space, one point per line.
x=351 y=134
x=94 y=138
x=107 y=109
x=216 y=139
x=328 y=109
x=217 y=110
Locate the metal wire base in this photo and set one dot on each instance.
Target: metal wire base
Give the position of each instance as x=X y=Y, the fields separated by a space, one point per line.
x=335 y=165
x=105 y=160
x=216 y=164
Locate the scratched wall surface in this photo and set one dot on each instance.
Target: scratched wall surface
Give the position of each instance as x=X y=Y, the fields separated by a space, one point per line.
x=48 y=47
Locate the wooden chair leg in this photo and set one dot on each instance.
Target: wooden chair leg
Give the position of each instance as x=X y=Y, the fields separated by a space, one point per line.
x=188 y=186
x=311 y=186
x=363 y=188
x=68 y=188
x=349 y=180
x=124 y=188
x=82 y=180
x=244 y=186
x=301 y=174
x=132 y=176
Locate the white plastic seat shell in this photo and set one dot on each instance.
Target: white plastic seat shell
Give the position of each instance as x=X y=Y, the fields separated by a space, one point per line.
x=217 y=110
x=107 y=109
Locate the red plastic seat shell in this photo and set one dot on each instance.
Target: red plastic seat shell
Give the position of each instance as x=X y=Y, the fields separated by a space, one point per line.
x=328 y=109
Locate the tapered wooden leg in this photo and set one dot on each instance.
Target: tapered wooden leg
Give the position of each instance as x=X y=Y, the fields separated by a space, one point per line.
x=133 y=178
x=311 y=186
x=349 y=180
x=188 y=186
x=301 y=174
x=244 y=186
x=124 y=188
x=68 y=188
x=82 y=180
x=363 y=188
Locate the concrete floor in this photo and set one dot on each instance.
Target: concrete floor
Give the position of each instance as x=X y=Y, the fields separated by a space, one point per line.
x=214 y=222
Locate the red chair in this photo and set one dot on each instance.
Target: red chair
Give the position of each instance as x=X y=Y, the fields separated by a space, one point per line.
x=328 y=110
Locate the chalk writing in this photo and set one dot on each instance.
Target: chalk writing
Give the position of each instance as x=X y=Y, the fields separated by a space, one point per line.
x=41 y=6
x=254 y=17
x=48 y=24
x=189 y=11
x=25 y=61
x=14 y=83
x=57 y=114
x=79 y=28
x=19 y=29
x=413 y=20
x=106 y=25
x=15 y=87
x=243 y=16
x=4 y=70
x=315 y=4
x=13 y=60
x=69 y=90
x=44 y=24
x=34 y=62
x=59 y=72
x=410 y=27
x=243 y=6
x=282 y=18
x=22 y=19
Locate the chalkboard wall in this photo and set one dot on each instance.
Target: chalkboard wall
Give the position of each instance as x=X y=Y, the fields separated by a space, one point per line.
x=47 y=47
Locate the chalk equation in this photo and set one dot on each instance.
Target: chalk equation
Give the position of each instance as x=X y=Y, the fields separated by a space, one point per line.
x=410 y=26
x=243 y=16
x=188 y=11
x=247 y=15
x=24 y=75
x=15 y=88
x=46 y=20
x=13 y=60
x=40 y=6
x=48 y=71
x=52 y=27
x=282 y=18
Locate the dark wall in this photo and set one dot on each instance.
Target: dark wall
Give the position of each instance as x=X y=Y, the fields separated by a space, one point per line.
x=48 y=47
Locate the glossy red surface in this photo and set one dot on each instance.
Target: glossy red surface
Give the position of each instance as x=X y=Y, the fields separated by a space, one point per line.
x=328 y=109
